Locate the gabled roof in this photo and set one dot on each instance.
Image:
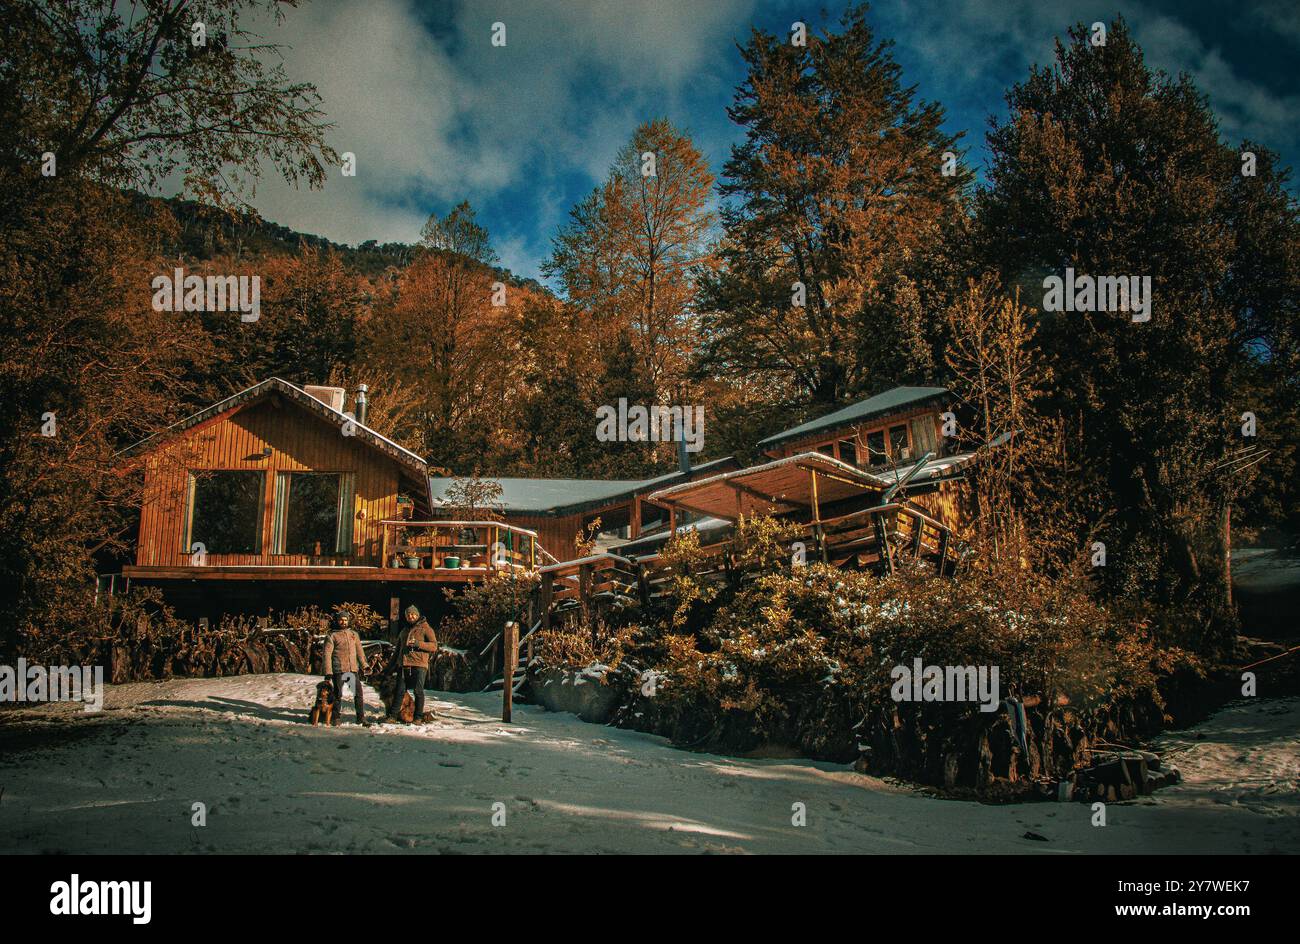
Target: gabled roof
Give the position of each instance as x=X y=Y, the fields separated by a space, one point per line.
x=880 y=405
x=557 y=497
x=297 y=395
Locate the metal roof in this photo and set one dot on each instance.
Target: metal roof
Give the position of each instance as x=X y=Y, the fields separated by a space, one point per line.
x=555 y=497
x=879 y=405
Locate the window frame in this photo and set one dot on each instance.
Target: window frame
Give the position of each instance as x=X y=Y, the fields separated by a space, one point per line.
x=344 y=542
x=191 y=488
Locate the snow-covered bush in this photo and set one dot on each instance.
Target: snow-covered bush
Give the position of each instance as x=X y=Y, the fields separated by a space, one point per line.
x=802 y=655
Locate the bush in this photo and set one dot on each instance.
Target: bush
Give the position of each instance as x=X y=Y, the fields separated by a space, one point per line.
x=138 y=638
x=771 y=652
x=481 y=611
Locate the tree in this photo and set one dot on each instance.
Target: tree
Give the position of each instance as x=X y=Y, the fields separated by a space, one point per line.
x=838 y=194
x=635 y=247
x=311 y=309
x=1030 y=500
x=118 y=100
x=1112 y=170
x=128 y=99
x=443 y=333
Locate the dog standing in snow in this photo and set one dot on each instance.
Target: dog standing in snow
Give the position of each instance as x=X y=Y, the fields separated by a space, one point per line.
x=323 y=711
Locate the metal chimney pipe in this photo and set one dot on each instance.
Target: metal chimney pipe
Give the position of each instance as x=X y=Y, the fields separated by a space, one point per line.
x=361 y=404
x=683 y=457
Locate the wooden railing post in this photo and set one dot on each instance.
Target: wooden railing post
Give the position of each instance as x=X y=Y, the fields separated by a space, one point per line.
x=642 y=584
x=509 y=662
x=584 y=592
x=882 y=543
x=548 y=592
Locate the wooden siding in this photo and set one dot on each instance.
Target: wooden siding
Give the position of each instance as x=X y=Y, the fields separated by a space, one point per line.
x=554 y=534
x=950 y=505
x=833 y=435
x=298 y=442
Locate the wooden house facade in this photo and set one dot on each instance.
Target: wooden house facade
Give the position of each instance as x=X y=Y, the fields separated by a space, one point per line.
x=277 y=496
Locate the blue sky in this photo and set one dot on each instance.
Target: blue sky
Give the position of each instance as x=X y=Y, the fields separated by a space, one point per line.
x=436 y=114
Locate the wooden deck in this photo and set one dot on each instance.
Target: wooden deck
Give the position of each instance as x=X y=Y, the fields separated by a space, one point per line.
x=325 y=573
x=877 y=538
x=412 y=552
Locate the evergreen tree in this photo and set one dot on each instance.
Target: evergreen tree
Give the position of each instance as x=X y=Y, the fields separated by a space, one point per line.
x=1113 y=170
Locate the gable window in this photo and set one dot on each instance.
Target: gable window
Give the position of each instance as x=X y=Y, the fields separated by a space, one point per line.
x=313 y=513
x=848 y=451
x=225 y=512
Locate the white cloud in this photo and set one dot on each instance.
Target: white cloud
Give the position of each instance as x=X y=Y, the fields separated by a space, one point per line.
x=433 y=121
x=1245 y=109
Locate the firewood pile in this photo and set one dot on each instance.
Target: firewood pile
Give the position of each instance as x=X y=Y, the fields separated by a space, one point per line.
x=150 y=655
x=139 y=647
x=1115 y=775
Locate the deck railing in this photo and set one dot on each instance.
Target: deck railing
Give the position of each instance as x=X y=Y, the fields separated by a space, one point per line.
x=878 y=537
x=459 y=545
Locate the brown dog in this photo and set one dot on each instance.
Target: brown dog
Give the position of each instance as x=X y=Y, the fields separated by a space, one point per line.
x=323 y=711
x=406 y=713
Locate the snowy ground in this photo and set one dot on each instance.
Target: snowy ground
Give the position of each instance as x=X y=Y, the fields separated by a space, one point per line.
x=124 y=780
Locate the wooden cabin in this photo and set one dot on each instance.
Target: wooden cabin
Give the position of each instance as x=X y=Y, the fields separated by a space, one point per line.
x=895 y=427
x=887 y=434
x=278 y=496
x=864 y=487
x=858 y=456
x=274 y=495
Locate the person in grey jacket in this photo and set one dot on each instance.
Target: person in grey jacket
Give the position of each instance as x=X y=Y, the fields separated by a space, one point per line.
x=345 y=655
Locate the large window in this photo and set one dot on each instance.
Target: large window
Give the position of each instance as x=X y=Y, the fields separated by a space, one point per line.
x=313 y=513
x=225 y=513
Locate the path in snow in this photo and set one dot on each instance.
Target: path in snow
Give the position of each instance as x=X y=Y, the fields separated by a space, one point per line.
x=124 y=780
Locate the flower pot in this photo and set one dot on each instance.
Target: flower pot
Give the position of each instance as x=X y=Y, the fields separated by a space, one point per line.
x=412 y=562
x=452 y=562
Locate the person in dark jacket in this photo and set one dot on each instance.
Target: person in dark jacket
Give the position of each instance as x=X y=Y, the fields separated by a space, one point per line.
x=416 y=644
x=345 y=655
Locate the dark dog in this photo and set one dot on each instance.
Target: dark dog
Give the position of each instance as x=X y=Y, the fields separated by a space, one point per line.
x=326 y=699
x=406 y=713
